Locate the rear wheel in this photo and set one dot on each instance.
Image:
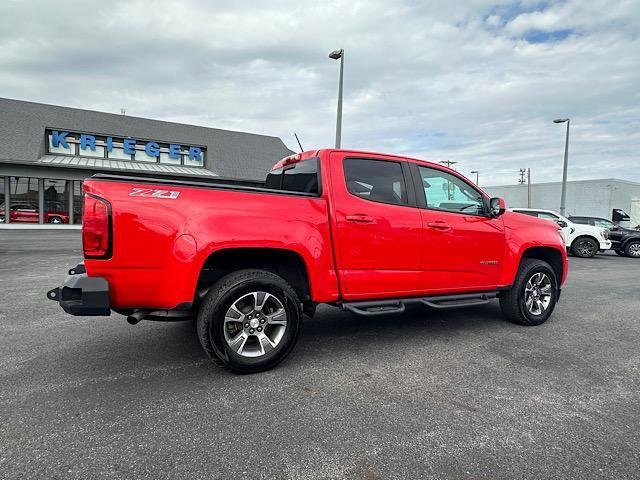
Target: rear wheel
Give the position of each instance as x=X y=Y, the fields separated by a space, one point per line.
x=249 y=321
x=55 y=220
x=584 y=247
x=633 y=249
x=533 y=295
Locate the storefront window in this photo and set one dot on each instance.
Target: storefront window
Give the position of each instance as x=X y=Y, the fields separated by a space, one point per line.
x=24 y=200
x=98 y=152
x=2 y=200
x=70 y=149
x=192 y=162
x=56 y=201
x=165 y=158
x=77 y=202
x=141 y=156
x=117 y=152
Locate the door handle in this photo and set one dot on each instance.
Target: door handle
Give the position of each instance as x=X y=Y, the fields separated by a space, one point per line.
x=359 y=218
x=439 y=225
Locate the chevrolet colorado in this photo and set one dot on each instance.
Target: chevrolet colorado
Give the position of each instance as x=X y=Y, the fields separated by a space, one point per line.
x=366 y=232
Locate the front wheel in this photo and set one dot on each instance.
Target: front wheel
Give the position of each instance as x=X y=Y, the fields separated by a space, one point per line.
x=633 y=249
x=249 y=321
x=533 y=295
x=585 y=247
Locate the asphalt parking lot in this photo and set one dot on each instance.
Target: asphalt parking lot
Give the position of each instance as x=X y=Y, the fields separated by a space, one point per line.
x=427 y=394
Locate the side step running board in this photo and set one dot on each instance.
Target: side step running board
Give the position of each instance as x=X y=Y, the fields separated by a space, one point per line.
x=380 y=307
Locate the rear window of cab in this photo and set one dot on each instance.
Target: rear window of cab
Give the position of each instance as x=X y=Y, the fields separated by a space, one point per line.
x=298 y=177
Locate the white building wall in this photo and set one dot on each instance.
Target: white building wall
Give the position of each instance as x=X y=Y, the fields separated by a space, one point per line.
x=588 y=197
x=635 y=213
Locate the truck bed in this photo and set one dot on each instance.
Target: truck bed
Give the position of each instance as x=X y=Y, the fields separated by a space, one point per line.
x=161 y=243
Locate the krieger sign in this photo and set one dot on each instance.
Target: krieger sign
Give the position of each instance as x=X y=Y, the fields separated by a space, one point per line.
x=129 y=145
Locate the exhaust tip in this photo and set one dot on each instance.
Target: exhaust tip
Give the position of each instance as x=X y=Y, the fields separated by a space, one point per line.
x=135 y=317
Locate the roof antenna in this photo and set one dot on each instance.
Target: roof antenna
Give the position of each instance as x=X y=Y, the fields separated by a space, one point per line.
x=301 y=149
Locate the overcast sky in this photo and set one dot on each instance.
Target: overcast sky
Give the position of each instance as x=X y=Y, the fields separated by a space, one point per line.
x=477 y=82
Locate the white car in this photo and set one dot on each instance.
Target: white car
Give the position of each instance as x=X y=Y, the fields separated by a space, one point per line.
x=581 y=240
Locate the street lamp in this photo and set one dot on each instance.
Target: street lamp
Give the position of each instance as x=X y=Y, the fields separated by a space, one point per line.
x=563 y=196
x=477 y=176
x=335 y=55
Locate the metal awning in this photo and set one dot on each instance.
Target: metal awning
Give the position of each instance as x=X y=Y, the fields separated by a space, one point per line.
x=121 y=165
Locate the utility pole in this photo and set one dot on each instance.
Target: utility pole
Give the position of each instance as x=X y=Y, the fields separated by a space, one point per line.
x=528 y=188
x=449 y=164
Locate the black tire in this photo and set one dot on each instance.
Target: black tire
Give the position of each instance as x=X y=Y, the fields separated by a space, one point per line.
x=55 y=220
x=585 y=247
x=621 y=253
x=512 y=301
x=223 y=294
x=632 y=249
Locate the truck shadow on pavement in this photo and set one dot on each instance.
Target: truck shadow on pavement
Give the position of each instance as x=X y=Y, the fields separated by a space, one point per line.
x=157 y=346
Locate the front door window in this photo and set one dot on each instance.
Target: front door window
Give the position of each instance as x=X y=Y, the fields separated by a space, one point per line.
x=447 y=192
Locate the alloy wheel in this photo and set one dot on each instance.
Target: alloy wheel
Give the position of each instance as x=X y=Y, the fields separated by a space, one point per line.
x=634 y=249
x=255 y=324
x=537 y=293
x=586 y=248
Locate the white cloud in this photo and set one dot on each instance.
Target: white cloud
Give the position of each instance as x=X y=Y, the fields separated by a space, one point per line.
x=493 y=20
x=428 y=79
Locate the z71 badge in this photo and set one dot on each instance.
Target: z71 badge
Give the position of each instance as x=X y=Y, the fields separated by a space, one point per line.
x=149 y=192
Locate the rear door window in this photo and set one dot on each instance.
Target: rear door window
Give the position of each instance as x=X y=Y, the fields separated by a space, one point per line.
x=376 y=180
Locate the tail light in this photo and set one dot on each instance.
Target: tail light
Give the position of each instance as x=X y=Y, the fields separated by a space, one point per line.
x=96 y=227
x=290 y=160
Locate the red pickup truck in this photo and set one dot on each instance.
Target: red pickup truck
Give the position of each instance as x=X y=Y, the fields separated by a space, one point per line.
x=366 y=232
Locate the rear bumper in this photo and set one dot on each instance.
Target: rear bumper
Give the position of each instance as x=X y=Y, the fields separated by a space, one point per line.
x=81 y=295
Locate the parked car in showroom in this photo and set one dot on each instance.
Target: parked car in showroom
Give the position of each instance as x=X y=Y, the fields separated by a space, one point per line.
x=624 y=241
x=581 y=240
x=22 y=212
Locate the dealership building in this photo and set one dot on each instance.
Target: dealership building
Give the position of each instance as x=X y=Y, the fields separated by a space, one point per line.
x=47 y=151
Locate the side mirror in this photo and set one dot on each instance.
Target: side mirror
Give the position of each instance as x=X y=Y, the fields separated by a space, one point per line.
x=562 y=223
x=496 y=206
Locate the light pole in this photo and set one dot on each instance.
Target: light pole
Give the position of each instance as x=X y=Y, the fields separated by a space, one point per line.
x=477 y=176
x=563 y=196
x=335 y=55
